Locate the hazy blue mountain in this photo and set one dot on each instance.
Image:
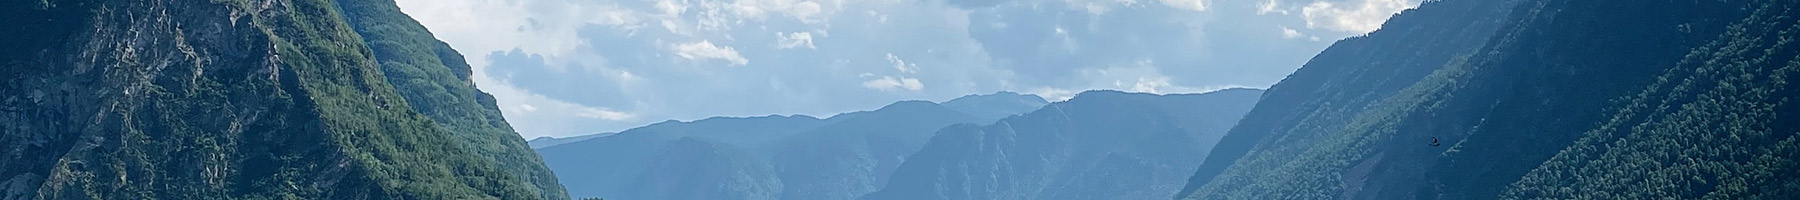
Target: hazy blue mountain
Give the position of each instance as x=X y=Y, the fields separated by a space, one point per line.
x=771 y=157
x=854 y=156
x=232 y=99
x=541 y=142
x=693 y=168
x=1552 y=99
x=610 y=166
x=1098 y=145
x=997 y=105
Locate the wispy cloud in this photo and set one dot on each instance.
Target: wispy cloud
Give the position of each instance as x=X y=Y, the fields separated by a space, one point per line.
x=705 y=50
x=569 y=67
x=1270 y=6
x=1195 y=5
x=890 y=83
x=1290 y=33
x=598 y=113
x=1357 y=16
x=794 y=40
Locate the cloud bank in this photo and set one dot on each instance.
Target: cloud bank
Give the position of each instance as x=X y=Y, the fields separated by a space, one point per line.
x=568 y=67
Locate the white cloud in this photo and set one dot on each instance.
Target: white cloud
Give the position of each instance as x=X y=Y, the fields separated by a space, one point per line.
x=1161 y=85
x=1052 y=94
x=1195 y=5
x=808 y=11
x=794 y=40
x=1362 y=16
x=476 y=27
x=1141 y=76
x=1270 y=6
x=704 y=50
x=671 y=7
x=605 y=114
x=890 y=83
x=901 y=65
x=627 y=77
x=1290 y=33
x=847 y=70
x=537 y=115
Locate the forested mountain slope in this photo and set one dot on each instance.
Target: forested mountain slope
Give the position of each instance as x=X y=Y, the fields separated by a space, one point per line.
x=1542 y=99
x=434 y=79
x=171 y=99
x=1098 y=145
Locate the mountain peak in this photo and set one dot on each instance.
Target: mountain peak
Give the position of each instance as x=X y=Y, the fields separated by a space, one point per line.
x=1001 y=95
x=1092 y=94
x=996 y=105
x=1107 y=93
x=909 y=104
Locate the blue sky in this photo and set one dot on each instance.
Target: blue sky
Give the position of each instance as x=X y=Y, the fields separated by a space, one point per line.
x=571 y=67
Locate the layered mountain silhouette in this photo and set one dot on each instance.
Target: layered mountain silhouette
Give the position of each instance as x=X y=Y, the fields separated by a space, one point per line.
x=769 y=157
x=1098 y=145
x=541 y=142
x=1457 y=99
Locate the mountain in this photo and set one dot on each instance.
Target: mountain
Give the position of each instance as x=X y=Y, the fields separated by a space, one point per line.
x=610 y=166
x=692 y=168
x=1549 y=99
x=313 y=99
x=541 y=142
x=997 y=105
x=1098 y=145
x=769 y=157
x=434 y=80
x=854 y=156
x=1356 y=72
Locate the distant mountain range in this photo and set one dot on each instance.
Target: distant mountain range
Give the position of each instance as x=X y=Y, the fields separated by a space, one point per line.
x=842 y=157
x=1098 y=145
x=988 y=106
x=620 y=166
x=1457 y=99
x=541 y=142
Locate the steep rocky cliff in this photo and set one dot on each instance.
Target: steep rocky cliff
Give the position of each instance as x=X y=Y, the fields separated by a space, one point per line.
x=189 y=99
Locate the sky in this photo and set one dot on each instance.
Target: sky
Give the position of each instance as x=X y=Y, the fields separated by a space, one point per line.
x=573 y=67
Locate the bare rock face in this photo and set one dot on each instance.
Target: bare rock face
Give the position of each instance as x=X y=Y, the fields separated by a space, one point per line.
x=187 y=99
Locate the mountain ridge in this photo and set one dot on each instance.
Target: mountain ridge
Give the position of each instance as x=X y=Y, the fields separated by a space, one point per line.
x=793 y=142
x=1082 y=148
x=1562 y=100
x=171 y=99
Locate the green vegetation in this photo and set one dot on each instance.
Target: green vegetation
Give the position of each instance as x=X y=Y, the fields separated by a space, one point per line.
x=237 y=100
x=1720 y=125
x=434 y=80
x=1562 y=100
